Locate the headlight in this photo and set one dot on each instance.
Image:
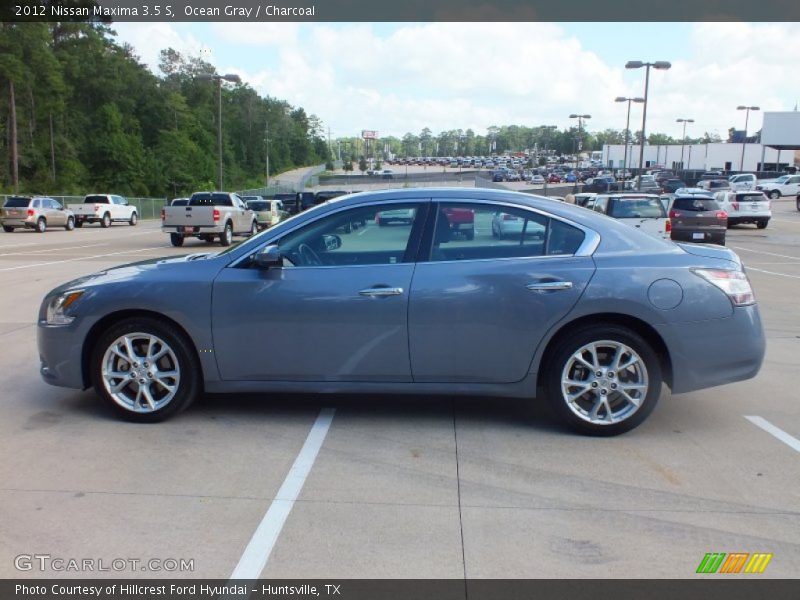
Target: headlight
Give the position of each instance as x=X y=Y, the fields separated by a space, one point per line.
x=734 y=283
x=56 y=309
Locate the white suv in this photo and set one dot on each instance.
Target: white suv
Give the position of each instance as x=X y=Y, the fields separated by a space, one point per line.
x=642 y=211
x=787 y=185
x=743 y=181
x=745 y=207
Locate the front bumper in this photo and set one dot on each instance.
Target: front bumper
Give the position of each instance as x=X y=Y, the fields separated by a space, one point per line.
x=715 y=352
x=61 y=353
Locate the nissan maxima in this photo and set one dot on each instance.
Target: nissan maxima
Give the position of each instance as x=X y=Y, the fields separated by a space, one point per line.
x=572 y=306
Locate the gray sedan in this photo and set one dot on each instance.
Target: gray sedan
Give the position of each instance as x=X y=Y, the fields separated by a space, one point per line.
x=590 y=314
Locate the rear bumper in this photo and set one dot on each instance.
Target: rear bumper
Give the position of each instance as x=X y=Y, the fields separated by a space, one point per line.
x=710 y=236
x=755 y=218
x=29 y=222
x=192 y=229
x=715 y=352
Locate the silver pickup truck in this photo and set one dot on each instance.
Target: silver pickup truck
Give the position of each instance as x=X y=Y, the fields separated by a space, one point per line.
x=208 y=216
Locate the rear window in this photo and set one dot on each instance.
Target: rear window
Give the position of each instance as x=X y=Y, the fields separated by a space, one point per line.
x=96 y=200
x=634 y=208
x=210 y=199
x=257 y=205
x=16 y=202
x=695 y=204
x=750 y=197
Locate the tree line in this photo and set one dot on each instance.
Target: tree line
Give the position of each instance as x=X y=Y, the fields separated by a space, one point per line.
x=82 y=113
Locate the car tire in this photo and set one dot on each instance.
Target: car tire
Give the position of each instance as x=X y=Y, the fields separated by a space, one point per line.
x=41 y=225
x=78 y=224
x=208 y=239
x=134 y=219
x=569 y=361
x=774 y=195
x=105 y=222
x=797 y=203
x=70 y=224
x=762 y=224
x=179 y=366
x=253 y=229
x=176 y=239
x=226 y=237
x=8 y=229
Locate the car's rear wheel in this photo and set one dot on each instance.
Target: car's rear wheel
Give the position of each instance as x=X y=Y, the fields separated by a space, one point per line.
x=797 y=203
x=41 y=225
x=603 y=380
x=145 y=370
x=78 y=224
x=106 y=221
x=8 y=229
x=176 y=239
x=774 y=194
x=253 y=229
x=134 y=219
x=226 y=237
x=70 y=224
x=762 y=224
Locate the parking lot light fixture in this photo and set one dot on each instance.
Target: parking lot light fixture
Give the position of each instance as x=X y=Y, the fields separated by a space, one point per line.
x=747 y=110
x=683 y=138
x=233 y=78
x=627 y=128
x=638 y=64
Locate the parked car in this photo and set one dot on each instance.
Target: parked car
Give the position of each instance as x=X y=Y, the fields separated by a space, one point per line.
x=461 y=221
x=292 y=202
x=512 y=175
x=104 y=209
x=743 y=181
x=179 y=202
x=305 y=200
x=209 y=216
x=600 y=184
x=670 y=186
x=554 y=178
x=583 y=198
x=786 y=185
x=537 y=179
x=404 y=216
x=697 y=218
x=499 y=175
x=35 y=212
x=618 y=313
x=638 y=210
x=267 y=212
x=745 y=207
x=714 y=185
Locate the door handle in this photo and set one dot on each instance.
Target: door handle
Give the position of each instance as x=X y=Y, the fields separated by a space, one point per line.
x=549 y=286
x=381 y=291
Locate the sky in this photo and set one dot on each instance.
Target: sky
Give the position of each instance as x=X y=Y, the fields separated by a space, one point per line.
x=396 y=78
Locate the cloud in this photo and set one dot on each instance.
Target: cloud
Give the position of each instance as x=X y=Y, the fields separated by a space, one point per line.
x=474 y=75
x=150 y=38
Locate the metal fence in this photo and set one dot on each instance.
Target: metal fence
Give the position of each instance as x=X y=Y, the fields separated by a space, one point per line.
x=265 y=192
x=147 y=208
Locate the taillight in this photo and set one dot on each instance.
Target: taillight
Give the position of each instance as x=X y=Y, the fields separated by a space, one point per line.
x=735 y=205
x=734 y=283
x=30 y=212
x=216 y=215
x=96 y=207
x=674 y=214
x=163 y=214
x=721 y=214
x=668 y=227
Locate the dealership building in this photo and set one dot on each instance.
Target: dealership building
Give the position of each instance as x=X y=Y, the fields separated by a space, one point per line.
x=779 y=149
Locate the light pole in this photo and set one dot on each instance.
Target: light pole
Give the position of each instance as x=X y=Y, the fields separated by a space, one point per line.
x=627 y=128
x=683 y=139
x=232 y=77
x=746 y=119
x=637 y=64
x=546 y=130
x=580 y=133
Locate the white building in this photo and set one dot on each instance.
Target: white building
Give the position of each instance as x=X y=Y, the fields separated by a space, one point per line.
x=701 y=157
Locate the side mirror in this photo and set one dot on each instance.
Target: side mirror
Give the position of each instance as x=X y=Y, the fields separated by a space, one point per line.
x=332 y=242
x=269 y=257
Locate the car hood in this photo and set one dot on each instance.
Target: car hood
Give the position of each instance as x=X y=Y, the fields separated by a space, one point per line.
x=712 y=251
x=144 y=269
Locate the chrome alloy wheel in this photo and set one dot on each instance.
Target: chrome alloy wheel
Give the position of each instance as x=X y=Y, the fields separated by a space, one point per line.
x=140 y=372
x=604 y=382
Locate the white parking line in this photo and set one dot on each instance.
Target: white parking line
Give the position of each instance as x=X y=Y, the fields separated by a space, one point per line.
x=772 y=272
x=777 y=432
x=797 y=258
x=27 y=252
x=66 y=260
x=258 y=550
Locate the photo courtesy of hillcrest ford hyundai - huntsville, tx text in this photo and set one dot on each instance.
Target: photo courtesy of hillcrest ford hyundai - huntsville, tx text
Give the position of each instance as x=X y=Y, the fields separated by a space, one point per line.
x=444 y=291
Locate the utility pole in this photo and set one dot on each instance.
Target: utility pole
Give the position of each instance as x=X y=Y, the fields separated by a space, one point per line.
x=266 y=143
x=12 y=113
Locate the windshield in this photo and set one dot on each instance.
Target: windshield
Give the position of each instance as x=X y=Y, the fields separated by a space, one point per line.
x=782 y=179
x=633 y=208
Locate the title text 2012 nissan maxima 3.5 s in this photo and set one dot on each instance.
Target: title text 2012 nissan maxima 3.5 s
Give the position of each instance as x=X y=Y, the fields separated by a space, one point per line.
x=573 y=306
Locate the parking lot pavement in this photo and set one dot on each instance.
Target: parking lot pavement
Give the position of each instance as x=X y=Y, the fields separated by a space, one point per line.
x=400 y=487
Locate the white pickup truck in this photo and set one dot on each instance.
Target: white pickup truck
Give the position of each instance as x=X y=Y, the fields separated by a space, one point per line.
x=787 y=185
x=208 y=216
x=104 y=209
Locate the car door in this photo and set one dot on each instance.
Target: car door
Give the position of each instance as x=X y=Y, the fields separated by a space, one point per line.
x=480 y=305
x=241 y=216
x=56 y=215
x=336 y=311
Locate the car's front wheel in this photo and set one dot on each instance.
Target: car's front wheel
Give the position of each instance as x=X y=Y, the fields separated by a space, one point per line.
x=145 y=370
x=603 y=380
x=134 y=219
x=774 y=194
x=70 y=224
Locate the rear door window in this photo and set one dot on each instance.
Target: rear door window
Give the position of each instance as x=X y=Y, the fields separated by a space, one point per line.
x=636 y=208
